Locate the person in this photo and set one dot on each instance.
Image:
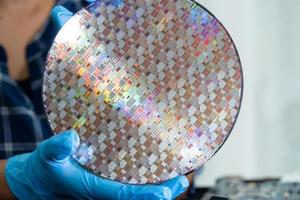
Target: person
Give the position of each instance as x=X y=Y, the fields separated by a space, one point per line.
x=34 y=164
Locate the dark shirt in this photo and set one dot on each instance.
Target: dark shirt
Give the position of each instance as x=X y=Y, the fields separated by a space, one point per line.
x=25 y=86
x=23 y=123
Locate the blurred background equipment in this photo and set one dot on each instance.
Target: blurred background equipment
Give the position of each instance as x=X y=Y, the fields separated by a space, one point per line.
x=236 y=188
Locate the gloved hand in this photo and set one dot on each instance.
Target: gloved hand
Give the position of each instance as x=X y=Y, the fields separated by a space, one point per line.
x=50 y=173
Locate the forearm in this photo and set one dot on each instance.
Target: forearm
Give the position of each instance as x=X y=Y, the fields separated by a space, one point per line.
x=5 y=192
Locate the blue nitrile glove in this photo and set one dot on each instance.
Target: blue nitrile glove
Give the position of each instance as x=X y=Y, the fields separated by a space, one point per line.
x=61 y=15
x=50 y=173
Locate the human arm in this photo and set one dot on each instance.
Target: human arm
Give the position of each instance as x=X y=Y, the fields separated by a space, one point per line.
x=5 y=192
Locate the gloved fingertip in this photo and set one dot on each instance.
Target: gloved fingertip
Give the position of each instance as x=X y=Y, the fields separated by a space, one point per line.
x=184 y=182
x=60 y=15
x=59 y=146
x=75 y=141
x=90 y=1
x=165 y=193
x=177 y=185
x=69 y=139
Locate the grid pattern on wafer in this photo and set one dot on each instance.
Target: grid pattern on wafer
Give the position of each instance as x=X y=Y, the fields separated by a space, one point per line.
x=152 y=87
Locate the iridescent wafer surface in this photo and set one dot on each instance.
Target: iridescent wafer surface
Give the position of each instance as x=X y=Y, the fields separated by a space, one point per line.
x=152 y=87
